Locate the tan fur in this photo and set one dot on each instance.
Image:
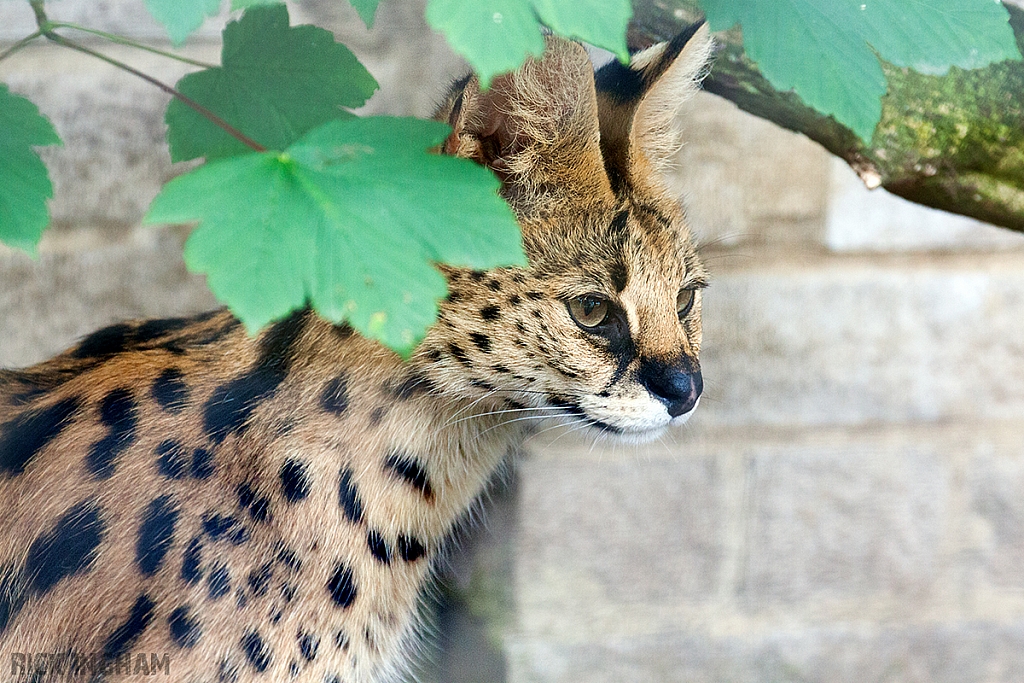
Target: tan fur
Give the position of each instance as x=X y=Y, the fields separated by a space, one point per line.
x=308 y=392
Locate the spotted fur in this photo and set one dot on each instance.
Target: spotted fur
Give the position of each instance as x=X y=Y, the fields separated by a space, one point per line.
x=270 y=508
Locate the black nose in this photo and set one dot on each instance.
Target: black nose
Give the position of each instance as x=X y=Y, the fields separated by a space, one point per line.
x=677 y=386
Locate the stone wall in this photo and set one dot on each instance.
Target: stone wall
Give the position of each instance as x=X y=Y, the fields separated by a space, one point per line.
x=845 y=506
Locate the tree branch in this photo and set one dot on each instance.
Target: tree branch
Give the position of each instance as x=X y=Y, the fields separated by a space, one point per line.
x=953 y=142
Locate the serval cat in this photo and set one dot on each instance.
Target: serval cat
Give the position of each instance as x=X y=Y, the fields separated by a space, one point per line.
x=272 y=508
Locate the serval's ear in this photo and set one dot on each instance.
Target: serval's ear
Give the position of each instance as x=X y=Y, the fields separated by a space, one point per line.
x=537 y=128
x=638 y=102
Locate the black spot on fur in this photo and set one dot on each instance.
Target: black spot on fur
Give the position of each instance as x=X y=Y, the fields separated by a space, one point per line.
x=482 y=384
x=494 y=285
x=256 y=651
x=515 y=300
x=127 y=633
x=288 y=592
x=342 y=586
x=202 y=463
x=334 y=398
x=294 y=481
x=413 y=384
x=246 y=496
x=171 y=460
x=156 y=534
x=227 y=672
x=501 y=369
x=259 y=579
x=565 y=372
x=458 y=354
x=119 y=413
x=482 y=341
x=67 y=549
x=308 y=645
x=22 y=438
x=219 y=526
x=377 y=414
x=332 y=678
x=258 y=506
x=477 y=275
x=104 y=343
x=28 y=395
x=12 y=595
x=378 y=547
x=191 y=563
x=185 y=629
x=293 y=669
x=454 y=296
x=490 y=312
x=170 y=391
x=218 y=581
x=410 y=548
x=156 y=329
x=617 y=270
x=371 y=640
x=348 y=497
x=343 y=331
x=341 y=640
x=411 y=470
x=228 y=409
x=203 y=337
x=534 y=296
x=289 y=559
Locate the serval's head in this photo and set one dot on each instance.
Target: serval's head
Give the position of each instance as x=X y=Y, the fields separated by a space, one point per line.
x=604 y=326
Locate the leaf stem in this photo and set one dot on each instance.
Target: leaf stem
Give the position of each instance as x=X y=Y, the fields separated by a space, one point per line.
x=121 y=40
x=203 y=111
x=41 y=19
x=18 y=45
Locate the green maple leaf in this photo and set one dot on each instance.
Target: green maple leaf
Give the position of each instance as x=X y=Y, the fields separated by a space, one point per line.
x=497 y=35
x=181 y=17
x=24 y=183
x=246 y=4
x=366 y=10
x=351 y=219
x=276 y=83
x=825 y=50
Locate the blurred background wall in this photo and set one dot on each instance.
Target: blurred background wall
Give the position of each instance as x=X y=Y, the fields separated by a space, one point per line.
x=846 y=506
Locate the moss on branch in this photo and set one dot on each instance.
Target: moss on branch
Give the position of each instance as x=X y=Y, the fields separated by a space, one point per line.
x=954 y=142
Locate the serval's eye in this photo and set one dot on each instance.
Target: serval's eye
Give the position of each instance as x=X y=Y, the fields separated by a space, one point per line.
x=588 y=310
x=684 y=302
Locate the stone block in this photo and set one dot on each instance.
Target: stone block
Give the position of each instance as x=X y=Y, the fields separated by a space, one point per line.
x=801 y=340
x=997 y=509
x=834 y=519
x=601 y=538
x=958 y=652
x=863 y=220
x=753 y=531
x=745 y=180
x=46 y=304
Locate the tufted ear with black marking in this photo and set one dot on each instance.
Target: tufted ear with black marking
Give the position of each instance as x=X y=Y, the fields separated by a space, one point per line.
x=638 y=102
x=536 y=128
